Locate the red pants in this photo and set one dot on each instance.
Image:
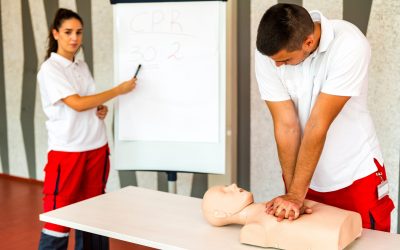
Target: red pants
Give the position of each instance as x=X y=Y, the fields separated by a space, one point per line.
x=72 y=177
x=361 y=197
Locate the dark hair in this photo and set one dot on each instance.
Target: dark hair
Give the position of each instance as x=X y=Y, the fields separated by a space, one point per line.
x=283 y=26
x=59 y=18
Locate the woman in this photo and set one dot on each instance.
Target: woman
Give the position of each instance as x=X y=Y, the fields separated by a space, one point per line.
x=78 y=163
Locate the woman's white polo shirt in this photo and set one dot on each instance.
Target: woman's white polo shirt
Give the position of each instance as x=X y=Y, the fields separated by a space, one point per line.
x=69 y=130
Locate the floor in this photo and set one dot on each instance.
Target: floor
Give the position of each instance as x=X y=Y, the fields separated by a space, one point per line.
x=20 y=206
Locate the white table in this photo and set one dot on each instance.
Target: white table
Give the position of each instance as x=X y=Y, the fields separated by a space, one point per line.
x=169 y=221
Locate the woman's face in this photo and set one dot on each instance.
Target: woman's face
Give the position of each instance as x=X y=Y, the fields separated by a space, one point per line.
x=69 y=37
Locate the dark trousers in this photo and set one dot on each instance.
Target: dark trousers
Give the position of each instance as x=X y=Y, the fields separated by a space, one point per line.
x=83 y=241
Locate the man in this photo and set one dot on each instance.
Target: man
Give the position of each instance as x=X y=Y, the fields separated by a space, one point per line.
x=313 y=74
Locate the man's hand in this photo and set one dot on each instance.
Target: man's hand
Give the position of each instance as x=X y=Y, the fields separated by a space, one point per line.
x=287 y=206
x=102 y=111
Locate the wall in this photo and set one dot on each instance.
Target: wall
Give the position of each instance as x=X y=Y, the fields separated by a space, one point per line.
x=381 y=27
x=23 y=138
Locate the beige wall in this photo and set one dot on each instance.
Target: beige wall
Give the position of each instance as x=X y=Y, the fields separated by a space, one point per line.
x=384 y=96
x=384 y=90
x=13 y=66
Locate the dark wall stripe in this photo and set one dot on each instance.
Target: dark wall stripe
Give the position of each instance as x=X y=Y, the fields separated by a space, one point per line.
x=162 y=181
x=357 y=12
x=85 y=11
x=127 y=178
x=51 y=7
x=243 y=69
x=28 y=89
x=298 y=2
x=3 y=111
x=199 y=185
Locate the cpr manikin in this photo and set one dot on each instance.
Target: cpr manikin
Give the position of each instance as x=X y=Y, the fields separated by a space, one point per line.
x=326 y=227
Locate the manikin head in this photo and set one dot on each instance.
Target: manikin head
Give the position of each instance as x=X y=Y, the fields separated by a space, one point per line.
x=286 y=34
x=222 y=204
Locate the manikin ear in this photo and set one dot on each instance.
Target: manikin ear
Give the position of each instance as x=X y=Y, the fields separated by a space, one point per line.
x=55 y=34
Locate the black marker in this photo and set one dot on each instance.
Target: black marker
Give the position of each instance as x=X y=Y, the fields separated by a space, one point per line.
x=137 y=71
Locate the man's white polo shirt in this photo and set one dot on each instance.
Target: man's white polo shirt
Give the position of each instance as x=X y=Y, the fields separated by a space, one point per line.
x=69 y=130
x=339 y=66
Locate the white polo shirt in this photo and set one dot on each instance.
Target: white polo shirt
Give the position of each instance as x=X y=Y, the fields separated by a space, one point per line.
x=69 y=130
x=339 y=66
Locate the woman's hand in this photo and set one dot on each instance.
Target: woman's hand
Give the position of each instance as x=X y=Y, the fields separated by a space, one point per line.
x=102 y=111
x=126 y=86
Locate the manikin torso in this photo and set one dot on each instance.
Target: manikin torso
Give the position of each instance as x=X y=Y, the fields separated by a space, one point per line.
x=326 y=227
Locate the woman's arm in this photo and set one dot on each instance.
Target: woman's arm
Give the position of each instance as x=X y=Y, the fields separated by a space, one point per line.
x=82 y=103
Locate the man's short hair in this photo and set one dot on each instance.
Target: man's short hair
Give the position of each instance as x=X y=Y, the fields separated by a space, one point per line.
x=283 y=26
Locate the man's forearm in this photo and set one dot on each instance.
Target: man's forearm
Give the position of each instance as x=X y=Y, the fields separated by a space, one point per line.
x=324 y=112
x=309 y=153
x=287 y=136
x=288 y=143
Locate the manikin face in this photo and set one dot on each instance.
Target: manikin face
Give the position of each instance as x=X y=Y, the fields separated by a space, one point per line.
x=69 y=37
x=230 y=199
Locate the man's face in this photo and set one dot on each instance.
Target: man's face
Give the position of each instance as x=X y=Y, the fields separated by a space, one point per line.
x=284 y=57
